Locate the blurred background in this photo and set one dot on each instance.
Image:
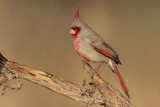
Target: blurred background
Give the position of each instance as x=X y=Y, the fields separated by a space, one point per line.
x=35 y=33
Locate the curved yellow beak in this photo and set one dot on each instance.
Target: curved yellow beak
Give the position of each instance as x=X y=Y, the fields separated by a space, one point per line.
x=72 y=32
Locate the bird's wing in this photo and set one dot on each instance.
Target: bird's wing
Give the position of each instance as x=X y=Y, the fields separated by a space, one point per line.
x=103 y=48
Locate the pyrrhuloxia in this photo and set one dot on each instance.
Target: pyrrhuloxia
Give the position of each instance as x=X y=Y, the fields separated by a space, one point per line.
x=92 y=47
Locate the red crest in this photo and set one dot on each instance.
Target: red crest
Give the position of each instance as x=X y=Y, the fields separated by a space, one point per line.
x=77 y=14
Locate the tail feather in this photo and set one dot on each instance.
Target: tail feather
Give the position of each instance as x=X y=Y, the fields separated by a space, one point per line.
x=119 y=77
x=125 y=89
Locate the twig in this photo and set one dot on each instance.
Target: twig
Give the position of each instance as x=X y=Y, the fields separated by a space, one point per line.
x=96 y=92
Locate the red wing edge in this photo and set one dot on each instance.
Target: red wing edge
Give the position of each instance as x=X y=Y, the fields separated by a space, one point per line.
x=107 y=54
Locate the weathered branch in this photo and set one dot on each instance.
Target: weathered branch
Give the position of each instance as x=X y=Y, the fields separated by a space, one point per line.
x=96 y=92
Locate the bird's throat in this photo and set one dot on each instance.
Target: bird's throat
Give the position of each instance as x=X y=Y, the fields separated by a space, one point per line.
x=74 y=37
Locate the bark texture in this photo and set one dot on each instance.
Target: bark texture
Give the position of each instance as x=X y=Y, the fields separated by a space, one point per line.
x=96 y=92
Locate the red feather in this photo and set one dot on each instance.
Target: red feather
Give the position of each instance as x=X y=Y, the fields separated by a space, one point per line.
x=112 y=55
x=120 y=79
x=77 y=46
x=74 y=36
x=77 y=14
x=104 y=52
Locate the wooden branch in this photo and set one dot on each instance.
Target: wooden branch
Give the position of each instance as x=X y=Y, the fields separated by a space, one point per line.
x=95 y=92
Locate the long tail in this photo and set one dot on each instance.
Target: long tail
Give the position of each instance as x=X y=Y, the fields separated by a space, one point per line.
x=112 y=65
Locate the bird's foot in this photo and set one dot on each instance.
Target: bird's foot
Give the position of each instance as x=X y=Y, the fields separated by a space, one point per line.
x=84 y=61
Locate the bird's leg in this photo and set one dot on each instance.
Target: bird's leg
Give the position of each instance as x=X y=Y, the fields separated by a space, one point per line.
x=84 y=61
x=96 y=70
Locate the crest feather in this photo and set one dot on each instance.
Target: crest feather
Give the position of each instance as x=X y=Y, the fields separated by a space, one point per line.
x=77 y=14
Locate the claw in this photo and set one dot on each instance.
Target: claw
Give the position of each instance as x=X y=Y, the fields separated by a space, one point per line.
x=84 y=61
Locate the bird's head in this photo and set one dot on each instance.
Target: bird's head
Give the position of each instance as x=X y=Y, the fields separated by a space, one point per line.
x=78 y=27
x=75 y=27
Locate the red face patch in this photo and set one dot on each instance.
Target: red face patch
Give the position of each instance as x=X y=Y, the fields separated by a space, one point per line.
x=77 y=30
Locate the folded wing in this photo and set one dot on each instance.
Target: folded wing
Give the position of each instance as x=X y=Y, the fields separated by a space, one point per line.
x=105 y=50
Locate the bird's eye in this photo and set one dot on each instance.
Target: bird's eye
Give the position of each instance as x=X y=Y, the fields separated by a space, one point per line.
x=78 y=29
